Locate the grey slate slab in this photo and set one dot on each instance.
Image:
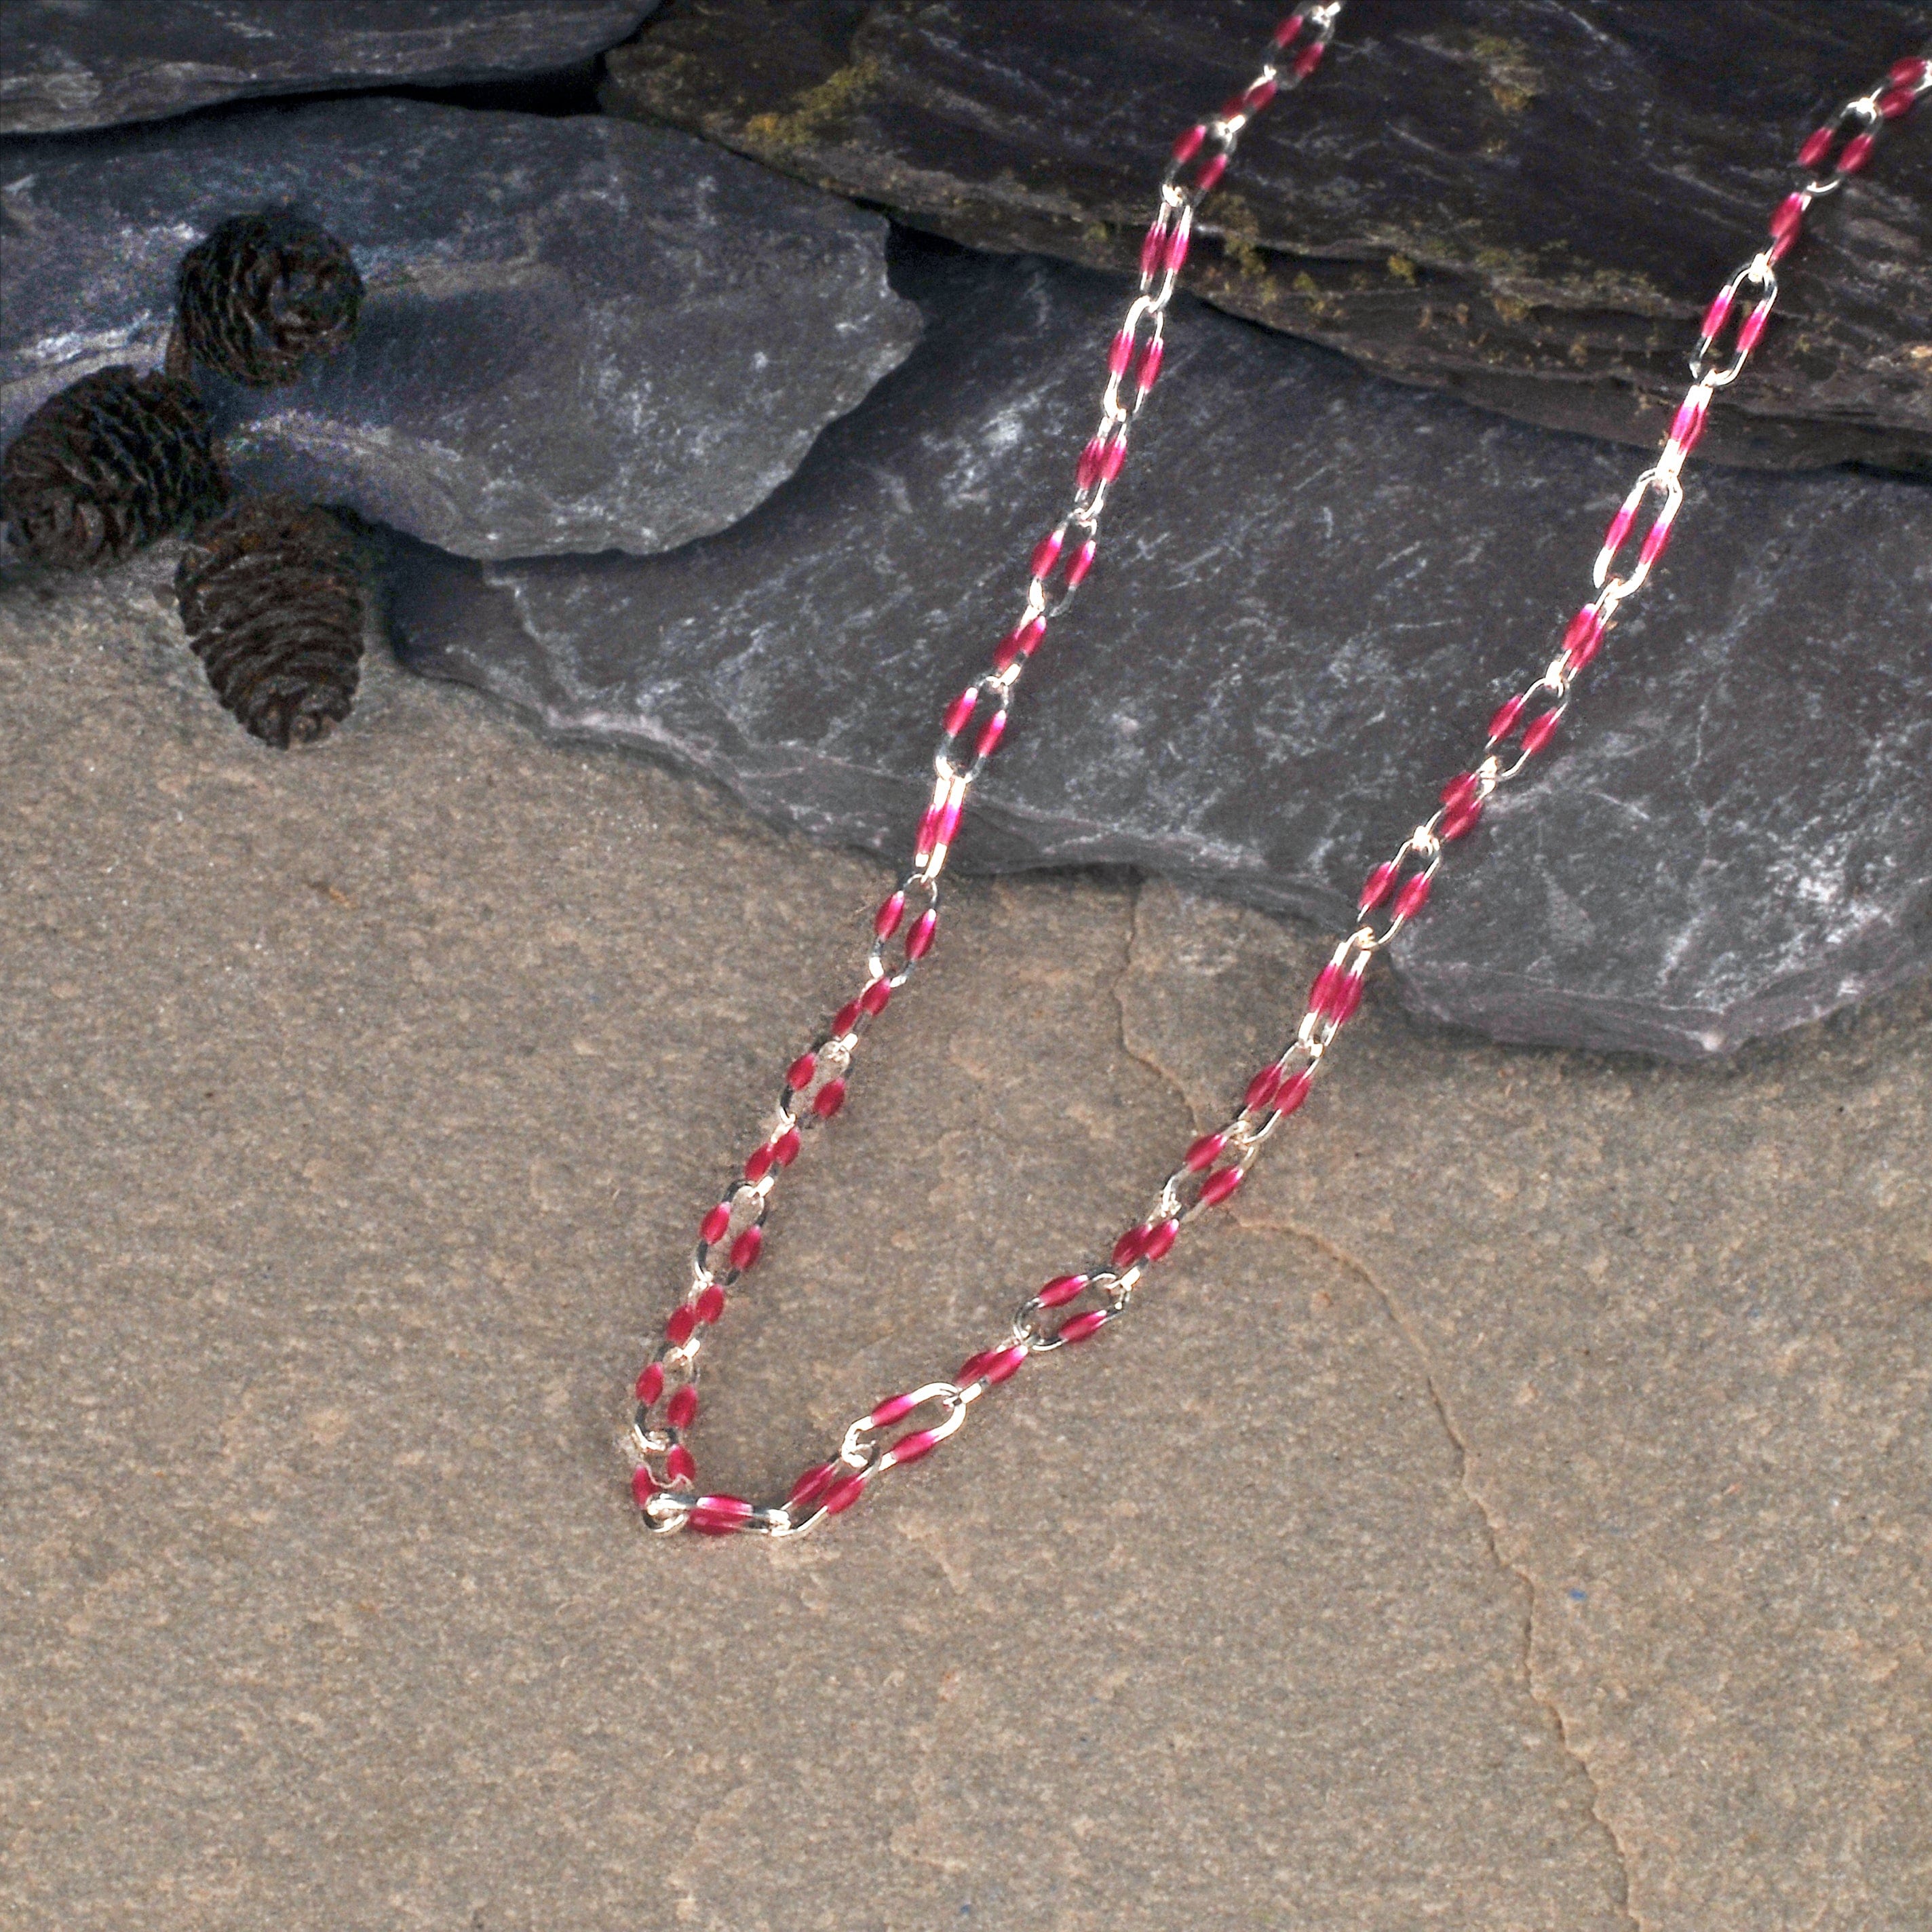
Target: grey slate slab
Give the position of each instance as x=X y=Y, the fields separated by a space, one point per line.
x=64 y=67
x=580 y=333
x=1314 y=586
x=1520 y=202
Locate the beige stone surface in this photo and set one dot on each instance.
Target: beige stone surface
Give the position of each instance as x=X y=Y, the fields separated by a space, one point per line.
x=1516 y=1518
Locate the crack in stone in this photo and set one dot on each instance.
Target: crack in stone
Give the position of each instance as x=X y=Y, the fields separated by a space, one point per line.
x=1539 y=1693
x=1165 y=1075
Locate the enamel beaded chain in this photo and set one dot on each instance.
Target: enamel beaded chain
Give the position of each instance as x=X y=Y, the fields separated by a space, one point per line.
x=1073 y=1308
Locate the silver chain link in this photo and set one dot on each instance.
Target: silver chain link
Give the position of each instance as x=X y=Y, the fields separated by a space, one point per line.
x=1072 y=1308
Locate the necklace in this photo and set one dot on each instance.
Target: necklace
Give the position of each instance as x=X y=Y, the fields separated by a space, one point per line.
x=1073 y=1308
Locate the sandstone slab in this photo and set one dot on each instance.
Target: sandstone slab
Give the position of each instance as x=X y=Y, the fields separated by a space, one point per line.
x=362 y=1106
x=1516 y=1518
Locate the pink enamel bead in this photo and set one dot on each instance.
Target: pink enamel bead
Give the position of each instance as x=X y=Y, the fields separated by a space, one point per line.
x=1219 y=1186
x=1687 y=425
x=1375 y=887
x=1619 y=529
x=1413 y=897
x=811 y=1484
x=894 y=1408
x=681 y=1410
x=1294 y=1091
x=746 y=1249
x=1154 y=246
x=910 y=1448
x=841 y=1496
x=1062 y=1289
x=1020 y=642
x=719 y=1516
x=1541 y=731
x=1583 y=639
x=992 y=1367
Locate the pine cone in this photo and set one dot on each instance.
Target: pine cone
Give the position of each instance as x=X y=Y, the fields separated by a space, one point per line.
x=272 y=600
x=261 y=295
x=113 y=462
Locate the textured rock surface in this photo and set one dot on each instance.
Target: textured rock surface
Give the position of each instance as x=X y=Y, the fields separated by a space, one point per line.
x=357 y=1109
x=65 y=66
x=1317 y=586
x=578 y=334
x=1528 y=204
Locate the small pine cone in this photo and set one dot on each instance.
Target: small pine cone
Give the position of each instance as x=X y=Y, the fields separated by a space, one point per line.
x=272 y=600
x=263 y=294
x=113 y=462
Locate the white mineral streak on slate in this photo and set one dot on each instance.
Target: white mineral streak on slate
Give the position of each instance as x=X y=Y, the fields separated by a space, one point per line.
x=580 y=334
x=65 y=66
x=1314 y=586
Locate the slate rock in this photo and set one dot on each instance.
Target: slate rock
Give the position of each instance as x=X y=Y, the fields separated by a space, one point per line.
x=64 y=67
x=1523 y=203
x=1313 y=588
x=577 y=335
